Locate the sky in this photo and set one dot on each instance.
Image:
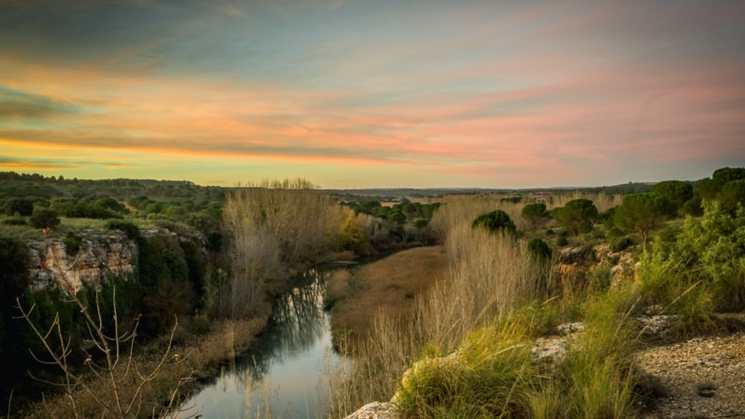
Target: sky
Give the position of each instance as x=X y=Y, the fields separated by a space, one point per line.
x=373 y=93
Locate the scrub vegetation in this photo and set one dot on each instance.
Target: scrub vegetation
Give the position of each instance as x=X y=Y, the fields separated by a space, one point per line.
x=465 y=349
x=492 y=274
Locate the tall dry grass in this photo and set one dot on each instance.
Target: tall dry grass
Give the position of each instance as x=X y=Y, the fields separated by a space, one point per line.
x=463 y=210
x=489 y=274
x=272 y=225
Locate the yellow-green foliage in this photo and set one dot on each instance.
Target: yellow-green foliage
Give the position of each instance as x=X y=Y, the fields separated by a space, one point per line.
x=699 y=268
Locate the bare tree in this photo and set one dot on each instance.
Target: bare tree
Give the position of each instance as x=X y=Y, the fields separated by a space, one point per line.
x=114 y=379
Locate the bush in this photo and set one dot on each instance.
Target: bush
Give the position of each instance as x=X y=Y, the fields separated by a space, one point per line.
x=72 y=243
x=535 y=214
x=494 y=221
x=562 y=241
x=15 y=221
x=44 y=218
x=705 y=260
x=621 y=243
x=21 y=206
x=600 y=277
x=540 y=249
x=129 y=229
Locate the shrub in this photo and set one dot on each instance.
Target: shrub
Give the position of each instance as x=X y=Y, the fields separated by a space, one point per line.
x=72 y=243
x=709 y=252
x=600 y=277
x=129 y=229
x=536 y=214
x=21 y=206
x=494 y=221
x=44 y=218
x=421 y=223
x=621 y=243
x=540 y=249
x=562 y=241
x=15 y=221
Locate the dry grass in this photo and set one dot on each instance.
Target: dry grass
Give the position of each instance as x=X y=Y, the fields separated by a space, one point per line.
x=389 y=284
x=199 y=357
x=488 y=274
x=464 y=209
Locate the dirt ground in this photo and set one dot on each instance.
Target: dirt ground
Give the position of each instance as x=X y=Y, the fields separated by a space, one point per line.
x=704 y=377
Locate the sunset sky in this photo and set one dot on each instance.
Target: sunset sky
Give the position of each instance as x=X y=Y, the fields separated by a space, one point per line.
x=373 y=93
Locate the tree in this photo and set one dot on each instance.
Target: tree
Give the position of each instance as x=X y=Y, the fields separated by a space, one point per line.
x=732 y=195
x=675 y=190
x=24 y=207
x=44 y=218
x=494 y=221
x=727 y=174
x=577 y=215
x=535 y=214
x=710 y=188
x=643 y=212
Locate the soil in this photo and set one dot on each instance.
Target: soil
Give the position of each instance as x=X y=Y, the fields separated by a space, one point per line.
x=703 y=377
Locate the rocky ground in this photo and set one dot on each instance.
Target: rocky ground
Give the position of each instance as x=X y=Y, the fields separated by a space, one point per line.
x=703 y=377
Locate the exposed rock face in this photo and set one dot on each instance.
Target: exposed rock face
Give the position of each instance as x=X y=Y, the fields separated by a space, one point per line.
x=574 y=262
x=100 y=255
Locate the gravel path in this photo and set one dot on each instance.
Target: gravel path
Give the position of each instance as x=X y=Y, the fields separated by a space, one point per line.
x=705 y=378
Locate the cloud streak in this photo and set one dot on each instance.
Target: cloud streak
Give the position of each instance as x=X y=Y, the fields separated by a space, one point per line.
x=479 y=93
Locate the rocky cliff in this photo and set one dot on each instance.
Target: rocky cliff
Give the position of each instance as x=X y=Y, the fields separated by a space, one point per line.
x=100 y=255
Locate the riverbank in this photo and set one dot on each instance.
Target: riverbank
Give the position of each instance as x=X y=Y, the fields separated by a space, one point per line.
x=389 y=284
x=189 y=362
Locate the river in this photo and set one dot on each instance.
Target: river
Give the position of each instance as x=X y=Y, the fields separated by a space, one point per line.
x=280 y=375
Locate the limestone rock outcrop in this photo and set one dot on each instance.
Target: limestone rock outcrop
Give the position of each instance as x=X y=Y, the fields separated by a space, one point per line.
x=100 y=255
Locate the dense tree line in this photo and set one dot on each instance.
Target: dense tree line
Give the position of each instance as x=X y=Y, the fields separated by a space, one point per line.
x=34 y=185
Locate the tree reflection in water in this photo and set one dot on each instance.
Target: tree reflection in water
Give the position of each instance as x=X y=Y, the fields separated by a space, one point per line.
x=298 y=322
x=288 y=357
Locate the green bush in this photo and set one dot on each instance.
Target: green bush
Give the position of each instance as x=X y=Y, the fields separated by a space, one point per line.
x=540 y=249
x=129 y=229
x=494 y=221
x=707 y=252
x=535 y=214
x=44 y=218
x=600 y=277
x=72 y=243
x=562 y=241
x=15 y=221
x=621 y=243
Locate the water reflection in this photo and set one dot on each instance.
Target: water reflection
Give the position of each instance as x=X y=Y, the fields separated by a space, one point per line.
x=285 y=365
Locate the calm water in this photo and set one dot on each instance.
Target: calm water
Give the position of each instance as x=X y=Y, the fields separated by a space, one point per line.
x=283 y=368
